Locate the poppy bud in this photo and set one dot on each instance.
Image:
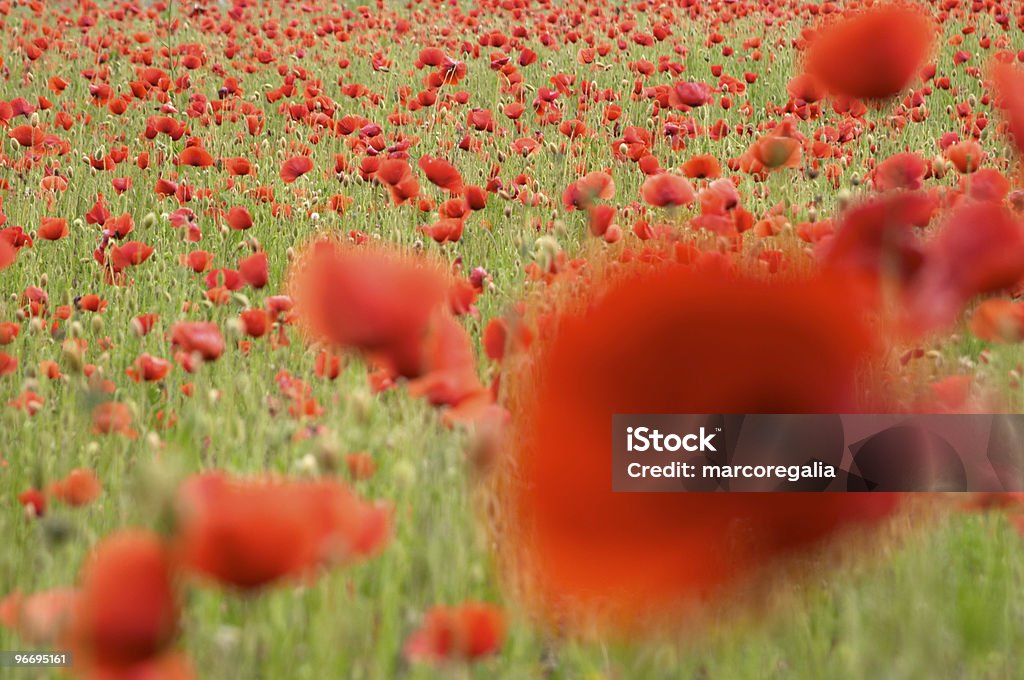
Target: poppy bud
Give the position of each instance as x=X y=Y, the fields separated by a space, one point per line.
x=328 y=453
x=234 y=327
x=97 y=324
x=307 y=465
x=843 y=199
x=72 y=356
x=404 y=474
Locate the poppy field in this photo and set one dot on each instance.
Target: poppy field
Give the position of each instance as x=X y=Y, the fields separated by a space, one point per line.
x=314 y=318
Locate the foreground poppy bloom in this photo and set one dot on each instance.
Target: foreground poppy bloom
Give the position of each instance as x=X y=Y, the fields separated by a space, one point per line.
x=463 y=633
x=698 y=342
x=127 y=608
x=873 y=54
x=370 y=299
x=253 y=533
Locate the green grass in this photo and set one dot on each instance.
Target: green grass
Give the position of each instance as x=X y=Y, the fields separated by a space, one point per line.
x=944 y=603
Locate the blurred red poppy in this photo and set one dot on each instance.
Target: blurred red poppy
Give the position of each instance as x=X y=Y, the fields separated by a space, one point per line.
x=667 y=190
x=80 y=487
x=698 y=342
x=900 y=171
x=199 y=337
x=8 y=254
x=872 y=54
x=38 y=618
x=465 y=632
x=254 y=270
x=112 y=417
x=250 y=533
x=370 y=299
x=127 y=608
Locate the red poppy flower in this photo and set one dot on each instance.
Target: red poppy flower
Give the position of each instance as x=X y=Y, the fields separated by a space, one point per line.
x=442 y=173
x=80 y=487
x=200 y=337
x=999 y=320
x=986 y=185
x=130 y=254
x=449 y=364
x=805 y=87
x=900 y=171
x=600 y=219
x=465 y=632
x=253 y=533
x=255 y=322
x=198 y=260
x=872 y=54
x=704 y=166
x=8 y=254
x=91 y=303
x=195 y=156
x=698 y=342
x=53 y=228
x=113 y=417
x=34 y=502
x=687 y=95
x=238 y=218
x=876 y=237
x=149 y=368
x=295 y=167
x=584 y=191
x=667 y=190
x=238 y=166
x=127 y=607
x=967 y=156
x=38 y=618
x=979 y=249
x=254 y=270
x=8 y=364
x=8 y=332
x=370 y=299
